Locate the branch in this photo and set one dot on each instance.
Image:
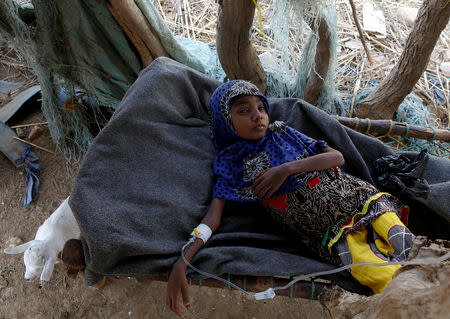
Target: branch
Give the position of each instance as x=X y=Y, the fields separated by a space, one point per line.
x=384 y=100
x=236 y=53
x=138 y=30
x=387 y=127
x=361 y=35
x=322 y=61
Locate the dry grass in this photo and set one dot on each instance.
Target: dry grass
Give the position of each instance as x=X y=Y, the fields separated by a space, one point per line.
x=13 y=67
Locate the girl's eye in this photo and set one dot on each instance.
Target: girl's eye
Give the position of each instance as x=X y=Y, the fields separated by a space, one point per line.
x=261 y=108
x=243 y=110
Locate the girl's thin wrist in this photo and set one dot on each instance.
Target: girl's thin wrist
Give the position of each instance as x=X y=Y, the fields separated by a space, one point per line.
x=181 y=264
x=286 y=169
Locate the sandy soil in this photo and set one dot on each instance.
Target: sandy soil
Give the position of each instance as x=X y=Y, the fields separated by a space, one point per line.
x=121 y=297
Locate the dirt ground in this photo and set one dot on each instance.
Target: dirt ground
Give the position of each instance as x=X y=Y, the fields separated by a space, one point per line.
x=62 y=297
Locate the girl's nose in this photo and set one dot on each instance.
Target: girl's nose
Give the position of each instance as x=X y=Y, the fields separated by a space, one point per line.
x=257 y=114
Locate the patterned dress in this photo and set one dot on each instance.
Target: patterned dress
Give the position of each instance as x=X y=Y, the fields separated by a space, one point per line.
x=330 y=205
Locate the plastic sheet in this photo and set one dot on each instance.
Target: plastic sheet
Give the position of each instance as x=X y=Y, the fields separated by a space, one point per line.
x=401 y=174
x=21 y=155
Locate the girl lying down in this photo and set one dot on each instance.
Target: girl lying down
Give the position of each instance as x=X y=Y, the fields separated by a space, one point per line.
x=340 y=218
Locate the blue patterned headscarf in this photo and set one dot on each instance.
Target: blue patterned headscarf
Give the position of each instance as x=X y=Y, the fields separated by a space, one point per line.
x=238 y=160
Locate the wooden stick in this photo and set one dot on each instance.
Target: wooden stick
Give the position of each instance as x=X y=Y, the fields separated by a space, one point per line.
x=183 y=22
x=15 y=65
x=357 y=86
x=28 y=125
x=373 y=39
x=361 y=35
x=301 y=289
x=162 y=10
x=32 y=144
x=352 y=54
x=386 y=127
x=186 y=20
x=200 y=17
x=191 y=24
x=199 y=30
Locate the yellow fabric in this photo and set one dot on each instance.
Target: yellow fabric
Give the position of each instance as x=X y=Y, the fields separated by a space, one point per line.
x=362 y=212
x=382 y=226
x=383 y=246
x=374 y=277
x=385 y=222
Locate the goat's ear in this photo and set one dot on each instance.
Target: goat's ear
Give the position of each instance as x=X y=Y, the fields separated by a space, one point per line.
x=19 y=249
x=48 y=268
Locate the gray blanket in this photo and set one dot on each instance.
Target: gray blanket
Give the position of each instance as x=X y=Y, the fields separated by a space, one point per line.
x=146 y=182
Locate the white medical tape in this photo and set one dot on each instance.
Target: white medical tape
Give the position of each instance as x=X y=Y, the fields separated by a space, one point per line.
x=203 y=232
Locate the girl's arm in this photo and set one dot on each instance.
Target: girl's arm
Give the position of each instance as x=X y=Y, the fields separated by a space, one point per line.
x=268 y=181
x=327 y=159
x=177 y=282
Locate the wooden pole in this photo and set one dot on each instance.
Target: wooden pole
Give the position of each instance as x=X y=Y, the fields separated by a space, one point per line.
x=32 y=144
x=301 y=289
x=384 y=100
x=361 y=34
x=386 y=127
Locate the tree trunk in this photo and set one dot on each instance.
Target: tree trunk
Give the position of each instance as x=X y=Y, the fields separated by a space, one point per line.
x=138 y=30
x=322 y=61
x=384 y=100
x=236 y=54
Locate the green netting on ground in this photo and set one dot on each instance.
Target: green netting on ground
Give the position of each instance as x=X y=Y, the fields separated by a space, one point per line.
x=412 y=111
x=434 y=147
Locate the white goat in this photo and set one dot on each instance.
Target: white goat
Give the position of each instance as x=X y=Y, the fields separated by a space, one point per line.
x=40 y=254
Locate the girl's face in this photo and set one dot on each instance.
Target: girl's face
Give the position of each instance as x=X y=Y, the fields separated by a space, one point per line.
x=249 y=117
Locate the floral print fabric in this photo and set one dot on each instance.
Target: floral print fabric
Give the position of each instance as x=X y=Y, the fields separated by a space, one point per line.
x=326 y=204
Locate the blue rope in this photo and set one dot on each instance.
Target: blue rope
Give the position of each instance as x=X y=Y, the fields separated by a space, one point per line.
x=434 y=133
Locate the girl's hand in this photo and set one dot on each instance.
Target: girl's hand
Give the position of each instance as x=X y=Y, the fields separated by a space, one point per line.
x=268 y=181
x=177 y=284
